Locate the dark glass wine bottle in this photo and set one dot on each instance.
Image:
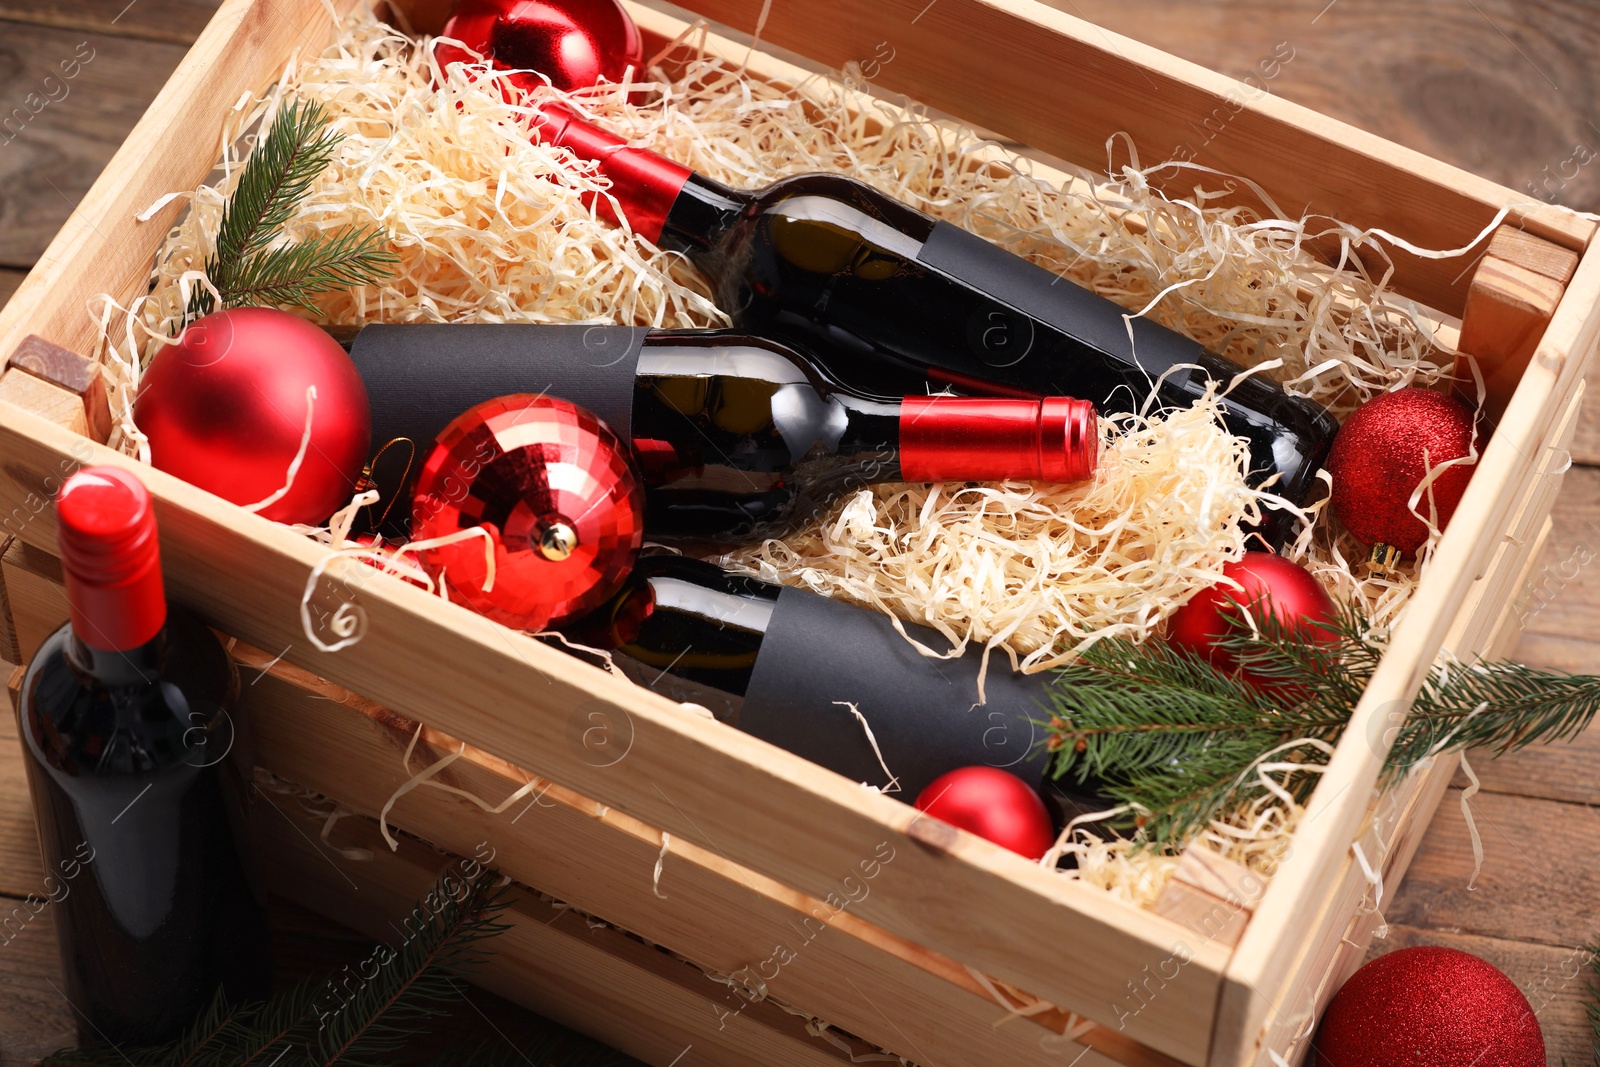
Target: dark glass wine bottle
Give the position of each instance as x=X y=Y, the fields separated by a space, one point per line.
x=786 y=665
x=735 y=436
x=133 y=757
x=897 y=302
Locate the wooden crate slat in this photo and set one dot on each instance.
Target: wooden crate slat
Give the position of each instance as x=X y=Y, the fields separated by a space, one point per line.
x=600 y=982
x=1082 y=85
x=1513 y=480
x=699 y=780
x=517 y=700
x=603 y=864
x=328 y=739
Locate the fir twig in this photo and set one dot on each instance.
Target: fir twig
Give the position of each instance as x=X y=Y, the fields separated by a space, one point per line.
x=249 y=264
x=1179 y=740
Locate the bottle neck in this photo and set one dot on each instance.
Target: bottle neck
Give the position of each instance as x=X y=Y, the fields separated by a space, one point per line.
x=645 y=187
x=139 y=665
x=702 y=213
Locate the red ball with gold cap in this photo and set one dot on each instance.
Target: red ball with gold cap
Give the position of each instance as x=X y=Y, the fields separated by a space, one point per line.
x=557 y=493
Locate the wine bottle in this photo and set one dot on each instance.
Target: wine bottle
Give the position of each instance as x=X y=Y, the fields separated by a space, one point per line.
x=131 y=746
x=735 y=436
x=787 y=665
x=897 y=302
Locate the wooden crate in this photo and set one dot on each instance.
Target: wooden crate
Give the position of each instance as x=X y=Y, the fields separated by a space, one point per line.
x=895 y=930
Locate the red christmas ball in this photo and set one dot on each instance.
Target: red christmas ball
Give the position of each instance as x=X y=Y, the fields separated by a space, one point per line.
x=225 y=409
x=993 y=804
x=557 y=493
x=574 y=43
x=1383 y=452
x=1271 y=583
x=1429 y=1005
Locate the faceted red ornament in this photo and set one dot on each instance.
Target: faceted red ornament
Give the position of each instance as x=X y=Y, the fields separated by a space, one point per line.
x=225 y=409
x=1429 y=1005
x=556 y=491
x=993 y=804
x=1288 y=590
x=1381 y=455
x=574 y=43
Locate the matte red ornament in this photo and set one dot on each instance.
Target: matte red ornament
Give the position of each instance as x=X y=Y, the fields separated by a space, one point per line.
x=1381 y=455
x=559 y=495
x=993 y=804
x=1294 y=597
x=225 y=409
x=1429 y=1005
x=574 y=43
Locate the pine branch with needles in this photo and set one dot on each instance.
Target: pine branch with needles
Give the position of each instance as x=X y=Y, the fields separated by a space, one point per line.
x=251 y=263
x=1181 y=741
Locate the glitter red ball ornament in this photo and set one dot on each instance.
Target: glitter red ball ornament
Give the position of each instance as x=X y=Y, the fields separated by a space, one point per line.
x=574 y=43
x=1429 y=1005
x=225 y=409
x=993 y=804
x=1271 y=583
x=557 y=493
x=1382 y=453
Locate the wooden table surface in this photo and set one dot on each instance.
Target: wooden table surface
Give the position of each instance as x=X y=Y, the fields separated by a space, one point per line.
x=1507 y=90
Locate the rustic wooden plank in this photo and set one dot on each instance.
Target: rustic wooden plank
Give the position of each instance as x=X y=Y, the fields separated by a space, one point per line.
x=49 y=401
x=1537 y=879
x=519 y=700
x=1261 y=973
x=21 y=871
x=350 y=749
x=36 y=1019
x=598 y=981
x=1586 y=443
x=9 y=652
x=1475 y=85
x=1508 y=306
x=32 y=578
x=176 y=21
x=1561 y=602
x=602 y=861
x=58 y=132
x=1552 y=978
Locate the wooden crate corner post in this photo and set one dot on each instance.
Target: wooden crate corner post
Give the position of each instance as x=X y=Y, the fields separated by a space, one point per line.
x=64 y=387
x=1511 y=299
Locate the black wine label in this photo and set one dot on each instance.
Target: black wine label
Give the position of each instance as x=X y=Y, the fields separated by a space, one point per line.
x=821 y=656
x=419 y=377
x=1027 y=296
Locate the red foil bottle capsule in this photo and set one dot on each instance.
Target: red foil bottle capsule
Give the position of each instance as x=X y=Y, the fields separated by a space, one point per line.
x=1055 y=439
x=558 y=496
x=110 y=559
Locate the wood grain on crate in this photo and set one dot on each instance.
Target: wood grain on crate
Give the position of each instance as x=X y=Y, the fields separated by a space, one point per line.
x=649 y=1004
x=1476 y=92
x=325 y=738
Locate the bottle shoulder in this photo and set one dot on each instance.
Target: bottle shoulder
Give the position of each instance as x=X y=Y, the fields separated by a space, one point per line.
x=78 y=723
x=843 y=201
